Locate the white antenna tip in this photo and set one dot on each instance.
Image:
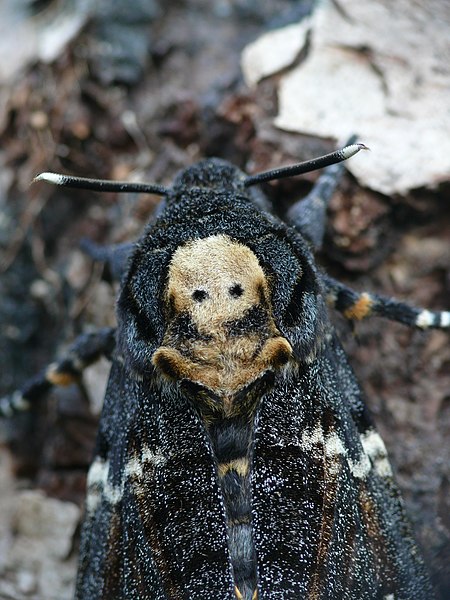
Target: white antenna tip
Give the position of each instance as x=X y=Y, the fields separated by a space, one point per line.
x=51 y=178
x=353 y=149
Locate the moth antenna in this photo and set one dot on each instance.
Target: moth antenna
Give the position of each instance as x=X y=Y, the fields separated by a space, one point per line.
x=101 y=185
x=307 y=166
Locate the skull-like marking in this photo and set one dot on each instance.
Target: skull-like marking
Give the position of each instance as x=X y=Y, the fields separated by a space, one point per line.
x=220 y=330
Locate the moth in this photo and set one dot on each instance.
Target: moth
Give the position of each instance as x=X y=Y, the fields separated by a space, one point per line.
x=236 y=458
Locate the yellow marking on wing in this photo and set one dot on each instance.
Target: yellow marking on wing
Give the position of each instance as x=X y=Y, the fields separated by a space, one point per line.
x=255 y=595
x=360 y=309
x=240 y=465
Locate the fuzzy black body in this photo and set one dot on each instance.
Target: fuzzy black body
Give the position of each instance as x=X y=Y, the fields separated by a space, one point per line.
x=276 y=486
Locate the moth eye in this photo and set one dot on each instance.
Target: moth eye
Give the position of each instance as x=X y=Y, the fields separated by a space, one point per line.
x=236 y=290
x=199 y=295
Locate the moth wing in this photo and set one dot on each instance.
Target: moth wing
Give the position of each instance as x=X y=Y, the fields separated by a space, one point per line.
x=328 y=519
x=155 y=524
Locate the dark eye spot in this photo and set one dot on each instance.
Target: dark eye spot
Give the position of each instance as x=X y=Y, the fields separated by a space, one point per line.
x=199 y=295
x=236 y=290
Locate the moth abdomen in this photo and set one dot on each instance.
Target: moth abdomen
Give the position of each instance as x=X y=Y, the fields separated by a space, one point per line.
x=231 y=443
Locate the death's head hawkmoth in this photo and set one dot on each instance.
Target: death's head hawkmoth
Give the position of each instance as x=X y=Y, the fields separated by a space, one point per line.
x=235 y=456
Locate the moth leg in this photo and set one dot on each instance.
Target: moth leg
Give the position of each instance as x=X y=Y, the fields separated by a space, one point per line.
x=356 y=306
x=308 y=215
x=86 y=349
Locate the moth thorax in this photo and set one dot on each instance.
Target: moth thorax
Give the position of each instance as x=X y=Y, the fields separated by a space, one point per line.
x=220 y=330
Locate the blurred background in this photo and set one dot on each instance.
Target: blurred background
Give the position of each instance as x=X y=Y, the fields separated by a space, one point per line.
x=140 y=89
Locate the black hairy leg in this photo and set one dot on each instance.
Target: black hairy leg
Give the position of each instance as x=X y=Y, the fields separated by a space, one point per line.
x=85 y=350
x=356 y=306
